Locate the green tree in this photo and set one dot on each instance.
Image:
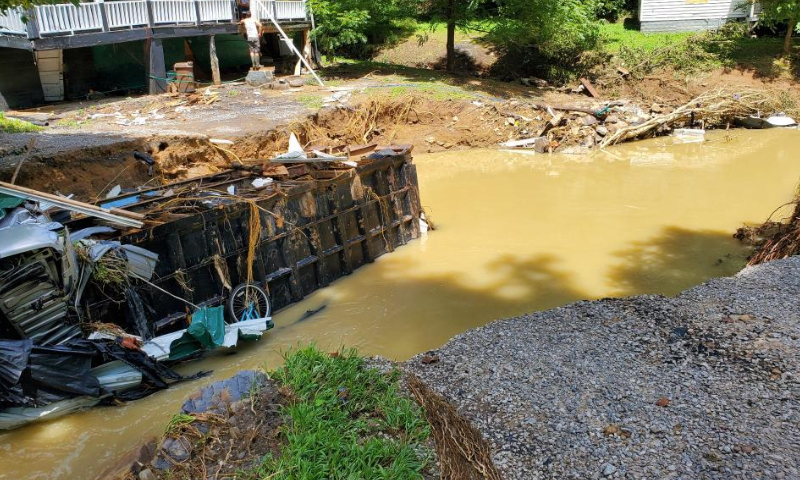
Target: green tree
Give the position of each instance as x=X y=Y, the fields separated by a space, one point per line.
x=355 y=27
x=454 y=14
x=782 y=11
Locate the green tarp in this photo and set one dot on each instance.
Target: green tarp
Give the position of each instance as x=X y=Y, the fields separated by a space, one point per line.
x=8 y=202
x=206 y=332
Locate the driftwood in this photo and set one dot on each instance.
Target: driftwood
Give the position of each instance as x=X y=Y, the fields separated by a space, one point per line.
x=713 y=104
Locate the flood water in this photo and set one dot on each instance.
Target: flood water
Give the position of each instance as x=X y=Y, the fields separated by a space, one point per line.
x=515 y=234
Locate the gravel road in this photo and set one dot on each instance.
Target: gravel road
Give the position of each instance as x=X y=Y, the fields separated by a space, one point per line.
x=700 y=386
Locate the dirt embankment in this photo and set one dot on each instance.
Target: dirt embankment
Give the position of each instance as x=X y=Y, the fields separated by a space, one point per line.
x=565 y=123
x=90 y=172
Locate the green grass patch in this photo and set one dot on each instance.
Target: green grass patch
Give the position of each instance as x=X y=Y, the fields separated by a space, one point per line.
x=616 y=35
x=12 y=125
x=314 y=102
x=348 y=421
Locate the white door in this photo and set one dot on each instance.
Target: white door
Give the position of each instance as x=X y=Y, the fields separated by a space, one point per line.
x=51 y=74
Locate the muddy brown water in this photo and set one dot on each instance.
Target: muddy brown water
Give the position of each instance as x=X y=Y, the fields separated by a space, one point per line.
x=516 y=233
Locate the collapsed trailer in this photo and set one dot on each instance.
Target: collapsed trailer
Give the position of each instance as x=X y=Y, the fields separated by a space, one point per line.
x=201 y=264
x=314 y=225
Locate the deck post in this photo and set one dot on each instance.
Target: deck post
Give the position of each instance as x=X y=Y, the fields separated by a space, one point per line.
x=32 y=26
x=197 y=12
x=212 y=52
x=157 y=73
x=103 y=15
x=151 y=19
x=305 y=51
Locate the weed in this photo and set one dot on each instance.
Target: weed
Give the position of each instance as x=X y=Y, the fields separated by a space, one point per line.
x=348 y=421
x=178 y=421
x=233 y=93
x=314 y=102
x=12 y=125
x=68 y=122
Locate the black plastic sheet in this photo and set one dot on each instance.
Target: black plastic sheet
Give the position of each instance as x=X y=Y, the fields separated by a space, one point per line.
x=14 y=356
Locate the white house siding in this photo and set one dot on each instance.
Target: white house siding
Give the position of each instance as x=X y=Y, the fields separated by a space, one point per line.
x=687 y=15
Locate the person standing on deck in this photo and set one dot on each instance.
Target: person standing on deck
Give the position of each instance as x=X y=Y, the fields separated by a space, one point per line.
x=253 y=31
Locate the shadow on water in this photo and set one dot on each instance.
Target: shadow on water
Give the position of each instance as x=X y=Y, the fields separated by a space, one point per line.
x=398 y=309
x=674 y=260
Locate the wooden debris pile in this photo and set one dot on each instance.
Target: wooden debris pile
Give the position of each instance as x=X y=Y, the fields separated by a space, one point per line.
x=577 y=129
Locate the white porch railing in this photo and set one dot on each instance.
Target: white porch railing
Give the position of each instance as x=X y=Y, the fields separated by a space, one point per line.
x=127 y=13
x=279 y=9
x=69 y=18
x=11 y=21
x=173 y=11
x=215 y=10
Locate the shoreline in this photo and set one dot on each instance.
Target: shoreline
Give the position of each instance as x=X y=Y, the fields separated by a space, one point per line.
x=700 y=385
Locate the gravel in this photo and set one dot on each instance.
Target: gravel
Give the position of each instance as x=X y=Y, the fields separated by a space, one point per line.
x=700 y=386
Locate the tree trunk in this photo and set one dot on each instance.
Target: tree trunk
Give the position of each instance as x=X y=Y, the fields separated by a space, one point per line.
x=787 y=41
x=451 y=35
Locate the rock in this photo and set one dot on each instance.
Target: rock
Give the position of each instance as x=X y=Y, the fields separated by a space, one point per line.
x=589 y=120
x=430 y=139
x=280 y=85
x=612 y=119
x=147 y=474
x=297 y=82
x=601 y=130
x=177 y=449
x=607 y=469
x=534 y=82
x=257 y=78
x=610 y=430
x=662 y=402
x=510 y=120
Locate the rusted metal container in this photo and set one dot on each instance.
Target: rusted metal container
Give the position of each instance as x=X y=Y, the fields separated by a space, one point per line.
x=184 y=77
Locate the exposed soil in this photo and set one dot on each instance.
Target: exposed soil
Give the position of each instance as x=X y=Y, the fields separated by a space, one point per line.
x=88 y=147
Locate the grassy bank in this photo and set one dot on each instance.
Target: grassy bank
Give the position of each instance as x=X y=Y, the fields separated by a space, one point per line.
x=12 y=125
x=346 y=421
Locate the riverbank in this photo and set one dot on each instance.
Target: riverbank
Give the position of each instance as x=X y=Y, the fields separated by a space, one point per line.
x=702 y=385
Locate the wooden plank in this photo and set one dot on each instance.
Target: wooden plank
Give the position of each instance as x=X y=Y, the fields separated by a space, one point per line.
x=589 y=88
x=115 y=215
x=212 y=51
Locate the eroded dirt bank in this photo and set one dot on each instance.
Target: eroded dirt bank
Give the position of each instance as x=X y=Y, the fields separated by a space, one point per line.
x=88 y=170
x=703 y=385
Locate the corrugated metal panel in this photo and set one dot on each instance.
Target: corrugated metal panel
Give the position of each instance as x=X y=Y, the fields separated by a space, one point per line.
x=659 y=10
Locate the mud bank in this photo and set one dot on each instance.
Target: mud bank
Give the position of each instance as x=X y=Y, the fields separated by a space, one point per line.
x=88 y=163
x=702 y=385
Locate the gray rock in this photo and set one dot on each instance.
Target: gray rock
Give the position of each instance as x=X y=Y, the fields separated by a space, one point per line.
x=607 y=470
x=147 y=474
x=257 y=78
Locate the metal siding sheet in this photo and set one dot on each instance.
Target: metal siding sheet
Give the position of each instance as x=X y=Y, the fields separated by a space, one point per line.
x=659 y=10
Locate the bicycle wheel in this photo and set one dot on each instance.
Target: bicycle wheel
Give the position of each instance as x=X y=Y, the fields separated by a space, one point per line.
x=248 y=302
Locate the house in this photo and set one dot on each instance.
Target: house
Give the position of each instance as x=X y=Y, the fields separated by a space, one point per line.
x=689 y=15
x=54 y=52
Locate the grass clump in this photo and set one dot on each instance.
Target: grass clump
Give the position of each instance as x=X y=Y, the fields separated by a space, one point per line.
x=313 y=102
x=347 y=421
x=12 y=125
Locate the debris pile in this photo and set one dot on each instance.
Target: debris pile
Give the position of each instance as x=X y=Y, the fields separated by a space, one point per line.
x=774 y=240
x=169 y=272
x=576 y=129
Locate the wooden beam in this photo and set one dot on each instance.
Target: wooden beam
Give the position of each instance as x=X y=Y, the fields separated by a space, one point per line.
x=107 y=38
x=13 y=41
x=157 y=71
x=212 y=51
x=115 y=215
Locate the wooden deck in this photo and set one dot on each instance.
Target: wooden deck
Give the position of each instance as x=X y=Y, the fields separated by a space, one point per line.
x=68 y=25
